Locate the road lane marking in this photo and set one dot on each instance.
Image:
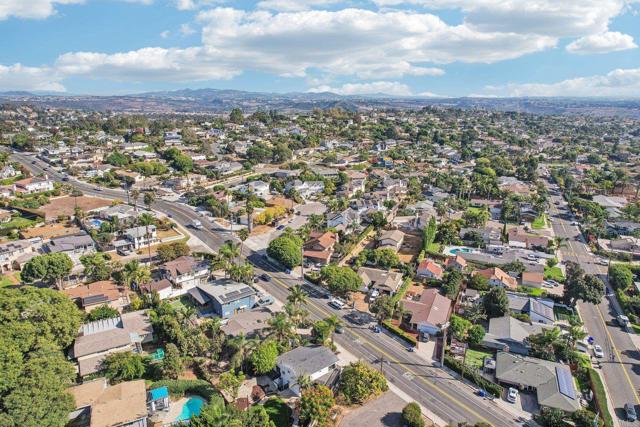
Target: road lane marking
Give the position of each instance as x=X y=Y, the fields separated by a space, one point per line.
x=617 y=353
x=395 y=360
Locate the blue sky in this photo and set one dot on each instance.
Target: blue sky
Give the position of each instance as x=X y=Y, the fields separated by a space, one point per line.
x=400 y=47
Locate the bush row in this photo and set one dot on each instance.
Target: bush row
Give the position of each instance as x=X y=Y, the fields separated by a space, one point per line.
x=474 y=376
x=600 y=397
x=399 y=332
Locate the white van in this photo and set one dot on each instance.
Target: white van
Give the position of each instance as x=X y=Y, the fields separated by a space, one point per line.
x=337 y=304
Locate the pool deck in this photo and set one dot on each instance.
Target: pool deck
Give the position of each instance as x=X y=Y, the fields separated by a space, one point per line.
x=175 y=408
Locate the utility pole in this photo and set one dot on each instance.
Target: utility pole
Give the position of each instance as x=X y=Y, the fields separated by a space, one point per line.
x=381 y=363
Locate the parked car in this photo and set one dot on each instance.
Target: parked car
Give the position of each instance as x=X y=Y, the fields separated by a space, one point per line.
x=280 y=227
x=339 y=329
x=337 y=304
x=512 y=395
x=265 y=277
x=598 y=352
x=630 y=411
x=376 y=329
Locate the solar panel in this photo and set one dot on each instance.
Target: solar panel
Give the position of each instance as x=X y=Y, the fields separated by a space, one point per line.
x=565 y=382
x=94 y=299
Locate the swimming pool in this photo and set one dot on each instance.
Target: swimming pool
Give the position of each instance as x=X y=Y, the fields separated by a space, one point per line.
x=96 y=222
x=192 y=407
x=458 y=249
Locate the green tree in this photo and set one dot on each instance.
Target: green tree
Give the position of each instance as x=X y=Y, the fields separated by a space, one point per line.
x=459 y=327
x=495 y=302
x=360 y=381
x=581 y=286
x=124 y=366
x=102 y=312
x=620 y=277
x=412 y=415
x=315 y=405
x=236 y=116
x=475 y=334
x=263 y=359
x=257 y=416
x=47 y=268
x=97 y=266
x=451 y=283
x=479 y=282
x=216 y=414
x=383 y=307
x=340 y=280
x=448 y=233
x=550 y=417
x=172 y=364
x=230 y=383
x=429 y=233
x=286 y=250
x=170 y=251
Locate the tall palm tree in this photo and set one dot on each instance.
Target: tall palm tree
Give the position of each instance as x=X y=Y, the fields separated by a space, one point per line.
x=243 y=348
x=334 y=322
x=243 y=234
x=146 y=220
x=281 y=329
x=297 y=296
x=130 y=270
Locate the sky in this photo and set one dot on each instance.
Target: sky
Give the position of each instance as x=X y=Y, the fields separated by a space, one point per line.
x=425 y=48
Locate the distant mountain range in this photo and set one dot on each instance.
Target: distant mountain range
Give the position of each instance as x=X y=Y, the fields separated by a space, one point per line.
x=190 y=101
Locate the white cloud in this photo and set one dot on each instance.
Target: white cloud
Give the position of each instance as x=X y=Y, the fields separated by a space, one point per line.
x=601 y=43
x=148 y=64
x=19 y=77
x=195 y=4
x=372 y=88
x=186 y=30
x=294 y=5
x=616 y=83
x=165 y=34
x=31 y=9
x=573 y=18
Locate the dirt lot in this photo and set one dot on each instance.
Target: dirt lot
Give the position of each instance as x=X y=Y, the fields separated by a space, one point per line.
x=410 y=247
x=359 y=300
x=64 y=206
x=49 y=231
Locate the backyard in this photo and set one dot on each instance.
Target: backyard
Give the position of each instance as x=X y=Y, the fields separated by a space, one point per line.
x=278 y=411
x=476 y=358
x=553 y=273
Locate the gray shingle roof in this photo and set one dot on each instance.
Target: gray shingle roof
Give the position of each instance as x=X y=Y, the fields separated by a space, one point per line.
x=307 y=360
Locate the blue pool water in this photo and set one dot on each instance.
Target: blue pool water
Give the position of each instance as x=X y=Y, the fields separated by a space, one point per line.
x=456 y=250
x=191 y=408
x=96 y=222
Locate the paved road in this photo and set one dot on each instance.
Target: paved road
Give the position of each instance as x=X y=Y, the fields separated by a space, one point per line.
x=448 y=398
x=621 y=364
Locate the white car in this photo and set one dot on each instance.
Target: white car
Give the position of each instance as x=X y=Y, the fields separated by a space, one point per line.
x=602 y=261
x=576 y=223
x=597 y=351
x=512 y=395
x=337 y=304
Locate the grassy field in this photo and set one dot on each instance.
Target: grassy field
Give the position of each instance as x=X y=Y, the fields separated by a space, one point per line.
x=18 y=222
x=434 y=247
x=540 y=222
x=554 y=273
x=476 y=358
x=534 y=292
x=278 y=411
x=6 y=281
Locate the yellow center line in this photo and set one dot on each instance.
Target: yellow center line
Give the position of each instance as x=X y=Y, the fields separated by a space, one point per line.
x=617 y=353
x=393 y=359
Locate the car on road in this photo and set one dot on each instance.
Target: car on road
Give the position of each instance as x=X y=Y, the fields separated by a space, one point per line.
x=411 y=349
x=376 y=329
x=97 y=189
x=339 y=329
x=602 y=261
x=66 y=178
x=598 y=352
x=576 y=223
x=532 y=257
x=265 y=277
x=33 y=162
x=280 y=227
x=512 y=395
x=630 y=412
x=264 y=301
x=553 y=283
x=337 y=304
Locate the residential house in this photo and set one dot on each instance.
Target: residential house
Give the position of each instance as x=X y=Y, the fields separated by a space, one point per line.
x=429 y=312
x=306 y=189
x=610 y=201
x=320 y=247
x=344 y=220
x=552 y=382
x=5 y=216
x=391 y=239
x=139 y=237
x=385 y=282
x=316 y=362
x=456 y=262
x=497 y=277
x=36 y=184
x=75 y=245
x=532 y=279
x=509 y=334
x=224 y=297
x=96 y=294
x=98 y=339
x=251 y=323
x=14 y=254
x=429 y=270
x=520 y=239
x=180 y=275
x=98 y=404
x=259 y=188
x=539 y=310
x=8 y=172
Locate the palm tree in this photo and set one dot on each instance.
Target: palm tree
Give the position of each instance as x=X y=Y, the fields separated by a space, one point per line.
x=243 y=348
x=249 y=208
x=281 y=329
x=297 y=296
x=135 y=193
x=304 y=382
x=334 y=322
x=146 y=220
x=243 y=234
x=298 y=315
x=130 y=270
x=316 y=222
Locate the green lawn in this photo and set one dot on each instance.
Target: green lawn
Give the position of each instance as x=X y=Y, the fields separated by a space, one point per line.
x=563 y=314
x=278 y=411
x=6 y=281
x=18 y=222
x=476 y=358
x=554 y=273
x=534 y=292
x=540 y=222
x=434 y=247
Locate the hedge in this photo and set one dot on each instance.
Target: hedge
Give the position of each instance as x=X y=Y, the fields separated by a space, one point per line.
x=474 y=376
x=399 y=332
x=600 y=397
x=181 y=387
x=625 y=304
x=403 y=290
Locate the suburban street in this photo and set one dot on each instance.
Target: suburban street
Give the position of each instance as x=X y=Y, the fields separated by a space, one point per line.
x=448 y=398
x=621 y=364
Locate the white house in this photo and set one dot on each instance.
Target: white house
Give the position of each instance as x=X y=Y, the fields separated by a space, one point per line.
x=311 y=361
x=259 y=188
x=34 y=185
x=139 y=238
x=306 y=189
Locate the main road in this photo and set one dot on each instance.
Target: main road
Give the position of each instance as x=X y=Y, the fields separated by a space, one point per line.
x=449 y=399
x=621 y=364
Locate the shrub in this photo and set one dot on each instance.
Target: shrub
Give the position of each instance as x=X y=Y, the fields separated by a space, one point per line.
x=600 y=397
x=360 y=381
x=412 y=415
x=474 y=376
x=399 y=332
